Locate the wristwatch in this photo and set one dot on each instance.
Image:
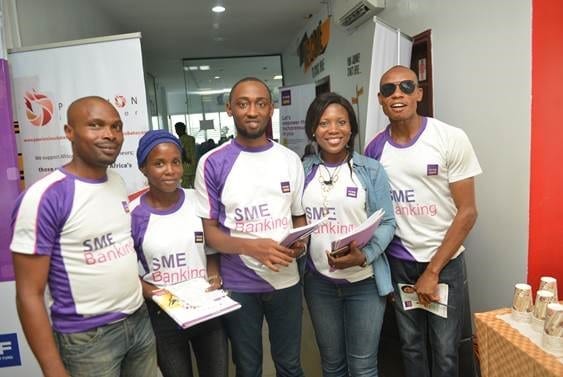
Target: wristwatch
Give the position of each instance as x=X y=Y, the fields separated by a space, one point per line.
x=212 y=278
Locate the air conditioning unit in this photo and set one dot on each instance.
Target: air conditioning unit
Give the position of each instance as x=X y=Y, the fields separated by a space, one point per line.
x=352 y=13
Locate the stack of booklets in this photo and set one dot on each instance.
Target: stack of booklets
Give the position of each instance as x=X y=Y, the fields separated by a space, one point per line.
x=361 y=234
x=189 y=302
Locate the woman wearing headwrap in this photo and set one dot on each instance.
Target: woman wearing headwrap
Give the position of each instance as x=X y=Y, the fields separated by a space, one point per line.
x=168 y=240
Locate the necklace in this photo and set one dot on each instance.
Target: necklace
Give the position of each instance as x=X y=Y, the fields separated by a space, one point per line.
x=328 y=184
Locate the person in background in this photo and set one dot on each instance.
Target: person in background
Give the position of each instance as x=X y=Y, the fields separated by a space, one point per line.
x=72 y=232
x=249 y=196
x=346 y=294
x=168 y=239
x=189 y=158
x=431 y=167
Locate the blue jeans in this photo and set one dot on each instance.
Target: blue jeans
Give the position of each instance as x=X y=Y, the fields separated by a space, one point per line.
x=208 y=340
x=347 y=320
x=419 y=329
x=283 y=311
x=125 y=348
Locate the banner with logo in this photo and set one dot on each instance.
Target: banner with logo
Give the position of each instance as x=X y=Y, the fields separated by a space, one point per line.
x=390 y=48
x=47 y=79
x=295 y=101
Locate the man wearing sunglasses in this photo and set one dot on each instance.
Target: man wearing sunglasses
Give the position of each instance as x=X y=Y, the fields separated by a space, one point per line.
x=431 y=167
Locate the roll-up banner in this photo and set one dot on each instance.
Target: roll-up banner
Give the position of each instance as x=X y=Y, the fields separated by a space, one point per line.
x=390 y=48
x=47 y=79
x=44 y=81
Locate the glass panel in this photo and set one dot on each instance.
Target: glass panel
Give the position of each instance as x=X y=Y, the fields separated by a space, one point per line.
x=208 y=82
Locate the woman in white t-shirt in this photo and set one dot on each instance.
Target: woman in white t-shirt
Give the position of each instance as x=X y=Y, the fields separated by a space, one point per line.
x=168 y=239
x=346 y=292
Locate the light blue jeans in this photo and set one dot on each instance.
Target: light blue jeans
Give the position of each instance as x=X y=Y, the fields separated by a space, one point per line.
x=283 y=311
x=419 y=329
x=347 y=320
x=126 y=348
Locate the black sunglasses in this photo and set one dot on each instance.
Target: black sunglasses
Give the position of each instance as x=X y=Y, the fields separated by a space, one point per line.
x=406 y=86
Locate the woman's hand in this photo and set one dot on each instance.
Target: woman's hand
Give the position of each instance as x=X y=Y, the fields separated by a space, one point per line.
x=354 y=258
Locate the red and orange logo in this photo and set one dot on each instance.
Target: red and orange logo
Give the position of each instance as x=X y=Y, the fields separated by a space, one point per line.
x=119 y=101
x=38 y=108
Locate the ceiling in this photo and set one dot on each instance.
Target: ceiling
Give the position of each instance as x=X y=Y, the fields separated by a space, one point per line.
x=179 y=29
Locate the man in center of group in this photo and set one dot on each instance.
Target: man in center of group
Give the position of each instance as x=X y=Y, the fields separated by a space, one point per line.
x=249 y=196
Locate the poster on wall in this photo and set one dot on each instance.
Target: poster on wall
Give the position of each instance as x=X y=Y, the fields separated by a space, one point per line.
x=390 y=47
x=295 y=101
x=46 y=80
x=314 y=45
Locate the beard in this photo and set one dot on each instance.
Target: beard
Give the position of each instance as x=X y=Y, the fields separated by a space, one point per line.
x=252 y=134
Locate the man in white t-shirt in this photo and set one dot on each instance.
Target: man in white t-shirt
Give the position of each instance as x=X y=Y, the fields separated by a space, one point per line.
x=431 y=167
x=72 y=233
x=249 y=196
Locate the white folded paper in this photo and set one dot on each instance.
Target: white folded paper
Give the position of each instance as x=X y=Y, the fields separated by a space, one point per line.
x=409 y=298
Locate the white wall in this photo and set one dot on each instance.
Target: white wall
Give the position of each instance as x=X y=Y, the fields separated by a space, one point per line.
x=50 y=21
x=482 y=83
x=341 y=45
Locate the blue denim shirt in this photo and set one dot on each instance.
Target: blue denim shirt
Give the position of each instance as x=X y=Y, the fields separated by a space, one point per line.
x=374 y=179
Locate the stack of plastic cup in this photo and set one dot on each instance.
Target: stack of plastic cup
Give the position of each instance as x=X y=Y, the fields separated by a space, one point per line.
x=522 y=303
x=543 y=298
x=552 y=337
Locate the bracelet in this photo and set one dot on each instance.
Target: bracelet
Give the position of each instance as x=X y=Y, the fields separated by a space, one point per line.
x=303 y=252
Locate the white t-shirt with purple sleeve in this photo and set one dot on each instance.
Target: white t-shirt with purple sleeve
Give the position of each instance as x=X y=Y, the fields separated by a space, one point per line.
x=84 y=226
x=345 y=201
x=169 y=243
x=252 y=193
x=420 y=175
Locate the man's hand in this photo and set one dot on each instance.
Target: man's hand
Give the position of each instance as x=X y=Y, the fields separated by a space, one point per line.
x=215 y=282
x=427 y=287
x=269 y=252
x=354 y=258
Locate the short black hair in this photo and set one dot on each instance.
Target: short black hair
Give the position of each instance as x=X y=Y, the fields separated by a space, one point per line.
x=250 y=78
x=318 y=107
x=180 y=127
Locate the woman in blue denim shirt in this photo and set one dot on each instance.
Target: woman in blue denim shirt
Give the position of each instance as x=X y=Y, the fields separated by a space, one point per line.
x=346 y=293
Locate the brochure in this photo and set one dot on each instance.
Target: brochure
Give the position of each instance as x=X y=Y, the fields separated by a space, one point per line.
x=361 y=234
x=188 y=302
x=301 y=232
x=409 y=298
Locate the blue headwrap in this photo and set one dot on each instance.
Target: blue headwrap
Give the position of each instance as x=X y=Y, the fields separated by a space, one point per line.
x=150 y=140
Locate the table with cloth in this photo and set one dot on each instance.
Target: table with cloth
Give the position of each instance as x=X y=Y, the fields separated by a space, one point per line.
x=505 y=352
